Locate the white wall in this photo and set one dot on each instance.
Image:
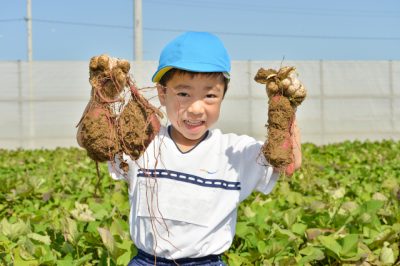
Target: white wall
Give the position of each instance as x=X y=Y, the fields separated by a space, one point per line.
x=347 y=100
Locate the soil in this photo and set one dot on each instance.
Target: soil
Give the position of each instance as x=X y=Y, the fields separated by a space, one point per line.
x=134 y=129
x=280 y=112
x=98 y=134
x=278 y=148
x=108 y=77
x=285 y=93
x=105 y=132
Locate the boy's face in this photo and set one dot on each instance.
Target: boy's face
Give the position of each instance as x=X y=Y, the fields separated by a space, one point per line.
x=193 y=104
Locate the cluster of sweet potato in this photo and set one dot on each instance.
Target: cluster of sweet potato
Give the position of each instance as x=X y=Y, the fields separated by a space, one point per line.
x=113 y=123
x=285 y=93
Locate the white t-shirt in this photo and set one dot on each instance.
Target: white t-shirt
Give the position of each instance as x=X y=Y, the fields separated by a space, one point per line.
x=185 y=204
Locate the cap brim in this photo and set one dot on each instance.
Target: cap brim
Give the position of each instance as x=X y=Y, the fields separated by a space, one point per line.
x=158 y=75
x=190 y=67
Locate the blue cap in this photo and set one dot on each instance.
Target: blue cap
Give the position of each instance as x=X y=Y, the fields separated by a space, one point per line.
x=196 y=52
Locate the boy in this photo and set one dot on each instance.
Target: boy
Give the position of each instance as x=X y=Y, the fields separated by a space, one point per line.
x=185 y=189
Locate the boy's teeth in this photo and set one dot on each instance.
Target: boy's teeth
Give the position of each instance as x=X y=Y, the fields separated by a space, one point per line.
x=193 y=123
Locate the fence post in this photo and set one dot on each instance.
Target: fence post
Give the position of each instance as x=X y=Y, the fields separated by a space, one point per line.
x=19 y=100
x=250 y=101
x=322 y=100
x=391 y=96
x=32 y=134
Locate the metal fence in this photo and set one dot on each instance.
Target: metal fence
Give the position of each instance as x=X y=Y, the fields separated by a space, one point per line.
x=42 y=102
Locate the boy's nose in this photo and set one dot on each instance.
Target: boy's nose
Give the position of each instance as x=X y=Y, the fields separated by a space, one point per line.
x=196 y=108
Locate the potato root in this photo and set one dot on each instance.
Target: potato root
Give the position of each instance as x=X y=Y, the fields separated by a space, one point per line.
x=114 y=124
x=285 y=93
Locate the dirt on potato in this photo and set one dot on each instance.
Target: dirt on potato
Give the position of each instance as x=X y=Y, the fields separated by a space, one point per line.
x=278 y=148
x=118 y=118
x=98 y=134
x=285 y=93
x=135 y=129
x=280 y=112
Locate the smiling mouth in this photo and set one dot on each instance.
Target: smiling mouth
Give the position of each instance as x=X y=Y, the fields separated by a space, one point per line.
x=193 y=123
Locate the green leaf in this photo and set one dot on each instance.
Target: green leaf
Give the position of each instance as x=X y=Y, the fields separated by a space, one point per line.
x=108 y=239
x=82 y=212
x=283 y=232
x=47 y=257
x=117 y=228
x=41 y=238
x=311 y=254
x=338 y=193
x=100 y=211
x=236 y=260
x=124 y=258
x=92 y=227
x=372 y=206
x=248 y=212
x=66 y=261
x=242 y=229
x=291 y=216
x=118 y=199
x=386 y=255
x=331 y=244
x=83 y=260
x=349 y=246
x=299 y=228
x=70 y=230
x=18 y=260
x=14 y=230
x=261 y=246
x=295 y=198
x=274 y=248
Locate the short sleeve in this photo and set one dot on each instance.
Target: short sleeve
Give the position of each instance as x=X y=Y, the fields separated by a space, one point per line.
x=268 y=181
x=255 y=173
x=114 y=168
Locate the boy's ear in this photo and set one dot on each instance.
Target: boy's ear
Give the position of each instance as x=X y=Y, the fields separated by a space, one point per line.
x=161 y=94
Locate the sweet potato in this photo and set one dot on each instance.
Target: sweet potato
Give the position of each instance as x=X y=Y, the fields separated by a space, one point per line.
x=285 y=93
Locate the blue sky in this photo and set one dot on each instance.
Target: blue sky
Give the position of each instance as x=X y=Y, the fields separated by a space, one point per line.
x=251 y=29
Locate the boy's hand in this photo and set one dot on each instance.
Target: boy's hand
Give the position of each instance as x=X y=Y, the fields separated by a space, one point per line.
x=108 y=77
x=296 y=148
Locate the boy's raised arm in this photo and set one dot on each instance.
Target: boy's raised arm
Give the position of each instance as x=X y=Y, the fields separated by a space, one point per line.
x=282 y=149
x=296 y=140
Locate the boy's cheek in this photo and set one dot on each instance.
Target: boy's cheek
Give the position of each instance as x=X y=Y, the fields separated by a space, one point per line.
x=161 y=95
x=162 y=100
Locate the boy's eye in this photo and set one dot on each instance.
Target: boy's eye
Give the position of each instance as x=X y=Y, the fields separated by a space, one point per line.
x=211 y=96
x=182 y=94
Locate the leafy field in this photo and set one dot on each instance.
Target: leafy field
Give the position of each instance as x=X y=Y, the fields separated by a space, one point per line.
x=342 y=208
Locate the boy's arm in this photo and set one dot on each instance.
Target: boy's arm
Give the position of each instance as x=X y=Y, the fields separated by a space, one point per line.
x=296 y=140
x=296 y=150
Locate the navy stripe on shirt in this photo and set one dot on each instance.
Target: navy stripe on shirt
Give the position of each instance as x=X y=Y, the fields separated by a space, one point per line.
x=162 y=173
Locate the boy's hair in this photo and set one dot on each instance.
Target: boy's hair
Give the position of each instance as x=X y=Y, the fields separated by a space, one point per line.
x=175 y=71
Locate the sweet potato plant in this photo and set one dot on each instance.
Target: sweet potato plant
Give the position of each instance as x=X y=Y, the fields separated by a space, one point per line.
x=341 y=208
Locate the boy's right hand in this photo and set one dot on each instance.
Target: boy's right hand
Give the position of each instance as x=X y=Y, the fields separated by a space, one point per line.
x=108 y=77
